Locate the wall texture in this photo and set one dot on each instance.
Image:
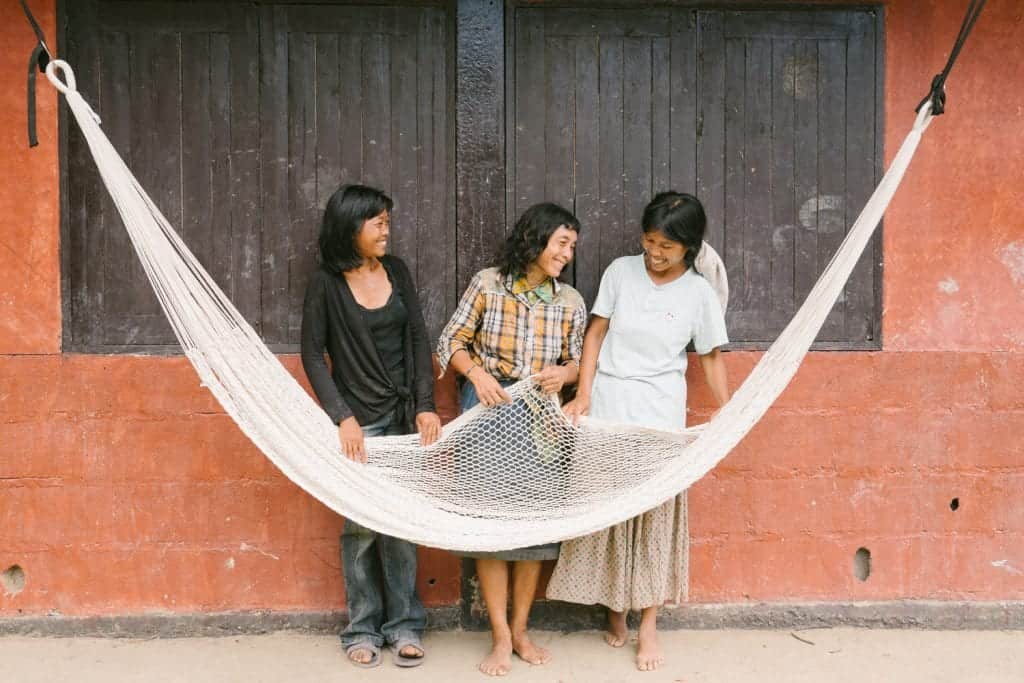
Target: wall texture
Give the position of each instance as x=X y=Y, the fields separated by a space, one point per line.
x=124 y=489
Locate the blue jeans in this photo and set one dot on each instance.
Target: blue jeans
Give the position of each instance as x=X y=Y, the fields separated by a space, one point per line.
x=380 y=577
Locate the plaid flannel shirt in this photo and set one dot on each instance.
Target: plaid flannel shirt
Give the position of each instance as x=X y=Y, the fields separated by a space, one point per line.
x=511 y=334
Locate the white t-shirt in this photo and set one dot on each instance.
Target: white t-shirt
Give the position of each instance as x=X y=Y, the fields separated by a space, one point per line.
x=642 y=364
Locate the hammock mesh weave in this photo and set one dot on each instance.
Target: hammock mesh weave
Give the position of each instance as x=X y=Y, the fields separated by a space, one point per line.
x=505 y=477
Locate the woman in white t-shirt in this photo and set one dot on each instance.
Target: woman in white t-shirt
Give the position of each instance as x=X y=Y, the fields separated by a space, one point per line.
x=649 y=308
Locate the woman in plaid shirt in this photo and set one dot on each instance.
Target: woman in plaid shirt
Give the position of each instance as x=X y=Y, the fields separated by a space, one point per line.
x=516 y=321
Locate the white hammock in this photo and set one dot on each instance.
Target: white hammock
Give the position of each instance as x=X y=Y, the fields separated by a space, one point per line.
x=507 y=477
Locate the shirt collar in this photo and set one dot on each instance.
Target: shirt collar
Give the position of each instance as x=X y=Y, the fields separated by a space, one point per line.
x=545 y=291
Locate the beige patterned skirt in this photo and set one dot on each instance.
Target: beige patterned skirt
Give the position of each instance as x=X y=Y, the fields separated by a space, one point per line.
x=643 y=562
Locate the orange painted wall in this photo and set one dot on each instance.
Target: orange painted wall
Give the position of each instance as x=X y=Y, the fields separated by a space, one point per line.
x=125 y=489
x=954 y=243
x=29 y=211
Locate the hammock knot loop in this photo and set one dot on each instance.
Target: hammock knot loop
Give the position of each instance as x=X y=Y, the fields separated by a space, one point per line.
x=68 y=84
x=936 y=96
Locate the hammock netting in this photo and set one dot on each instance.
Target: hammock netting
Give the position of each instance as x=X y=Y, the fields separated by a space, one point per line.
x=511 y=476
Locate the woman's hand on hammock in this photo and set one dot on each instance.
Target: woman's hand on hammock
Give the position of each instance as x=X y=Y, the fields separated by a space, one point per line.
x=551 y=379
x=488 y=390
x=577 y=408
x=429 y=426
x=351 y=436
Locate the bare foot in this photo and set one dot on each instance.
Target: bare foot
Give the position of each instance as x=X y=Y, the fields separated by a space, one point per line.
x=527 y=651
x=411 y=651
x=360 y=655
x=648 y=654
x=617 y=633
x=499 y=661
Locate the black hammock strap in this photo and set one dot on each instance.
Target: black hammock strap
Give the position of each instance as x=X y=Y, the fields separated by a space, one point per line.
x=937 y=93
x=40 y=58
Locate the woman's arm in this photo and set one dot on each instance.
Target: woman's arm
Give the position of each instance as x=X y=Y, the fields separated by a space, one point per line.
x=711 y=336
x=713 y=364
x=428 y=424
x=596 y=332
x=457 y=337
x=313 y=342
x=312 y=345
x=422 y=358
x=552 y=378
x=461 y=329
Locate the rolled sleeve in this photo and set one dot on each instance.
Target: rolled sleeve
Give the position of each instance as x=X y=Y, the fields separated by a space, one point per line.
x=573 y=350
x=460 y=331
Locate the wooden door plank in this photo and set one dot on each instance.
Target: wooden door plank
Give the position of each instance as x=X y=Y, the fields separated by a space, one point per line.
x=587 y=156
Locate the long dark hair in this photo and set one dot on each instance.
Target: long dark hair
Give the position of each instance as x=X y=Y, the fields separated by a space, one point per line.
x=530 y=236
x=347 y=209
x=680 y=217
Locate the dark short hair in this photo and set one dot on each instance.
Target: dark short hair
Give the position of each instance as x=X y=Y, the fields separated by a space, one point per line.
x=531 y=234
x=347 y=209
x=680 y=217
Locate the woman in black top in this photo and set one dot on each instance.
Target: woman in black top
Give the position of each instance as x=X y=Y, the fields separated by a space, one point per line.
x=361 y=307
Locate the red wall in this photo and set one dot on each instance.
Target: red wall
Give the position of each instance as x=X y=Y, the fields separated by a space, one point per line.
x=124 y=488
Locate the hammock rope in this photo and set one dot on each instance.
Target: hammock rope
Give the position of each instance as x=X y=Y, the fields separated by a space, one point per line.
x=511 y=476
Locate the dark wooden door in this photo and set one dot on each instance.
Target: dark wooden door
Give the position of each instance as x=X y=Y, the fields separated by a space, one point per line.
x=787 y=157
x=169 y=81
x=240 y=119
x=355 y=93
x=769 y=117
x=595 y=97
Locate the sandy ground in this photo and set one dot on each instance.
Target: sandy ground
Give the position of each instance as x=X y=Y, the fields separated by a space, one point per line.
x=828 y=656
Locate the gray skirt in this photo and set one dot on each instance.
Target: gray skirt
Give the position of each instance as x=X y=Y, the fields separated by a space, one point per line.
x=547 y=551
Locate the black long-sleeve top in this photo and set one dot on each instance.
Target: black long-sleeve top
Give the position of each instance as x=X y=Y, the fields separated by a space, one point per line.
x=358 y=383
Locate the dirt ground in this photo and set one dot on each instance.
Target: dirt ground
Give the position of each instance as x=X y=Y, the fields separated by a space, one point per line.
x=817 y=655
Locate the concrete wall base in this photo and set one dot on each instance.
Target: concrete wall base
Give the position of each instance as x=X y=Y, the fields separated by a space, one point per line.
x=930 y=615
